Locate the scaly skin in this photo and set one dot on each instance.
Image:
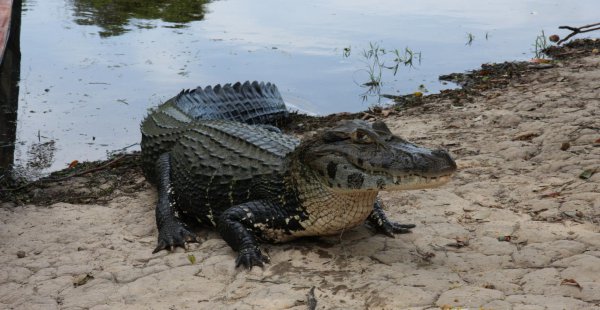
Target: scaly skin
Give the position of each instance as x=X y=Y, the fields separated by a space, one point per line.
x=232 y=171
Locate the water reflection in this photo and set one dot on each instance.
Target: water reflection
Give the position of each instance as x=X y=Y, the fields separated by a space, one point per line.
x=117 y=16
x=9 y=91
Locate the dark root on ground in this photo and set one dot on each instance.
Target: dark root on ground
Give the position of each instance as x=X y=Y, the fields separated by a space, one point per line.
x=89 y=183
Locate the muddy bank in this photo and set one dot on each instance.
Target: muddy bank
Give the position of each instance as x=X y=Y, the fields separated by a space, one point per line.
x=517 y=228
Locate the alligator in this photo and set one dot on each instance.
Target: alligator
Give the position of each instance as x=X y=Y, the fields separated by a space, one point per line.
x=217 y=158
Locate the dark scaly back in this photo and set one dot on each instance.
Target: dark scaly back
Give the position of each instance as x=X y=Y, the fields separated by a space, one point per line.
x=250 y=103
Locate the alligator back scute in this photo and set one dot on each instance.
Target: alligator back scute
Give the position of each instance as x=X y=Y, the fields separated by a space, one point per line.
x=250 y=103
x=247 y=103
x=218 y=161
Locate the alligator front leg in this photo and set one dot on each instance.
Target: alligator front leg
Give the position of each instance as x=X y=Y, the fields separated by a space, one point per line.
x=239 y=225
x=383 y=225
x=171 y=232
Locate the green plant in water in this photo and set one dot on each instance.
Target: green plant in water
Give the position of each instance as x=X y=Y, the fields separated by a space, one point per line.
x=405 y=59
x=540 y=45
x=378 y=60
x=470 y=38
x=347 y=51
x=372 y=59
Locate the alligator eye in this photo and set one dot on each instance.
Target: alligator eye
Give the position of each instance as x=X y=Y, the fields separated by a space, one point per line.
x=332 y=136
x=359 y=136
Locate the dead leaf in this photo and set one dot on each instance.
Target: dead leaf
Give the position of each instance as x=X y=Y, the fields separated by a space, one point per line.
x=367 y=116
x=506 y=238
x=587 y=173
x=570 y=282
x=376 y=109
x=387 y=112
x=460 y=242
x=82 y=279
x=525 y=136
x=73 y=164
x=541 y=61
x=551 y=195
x=572 y=214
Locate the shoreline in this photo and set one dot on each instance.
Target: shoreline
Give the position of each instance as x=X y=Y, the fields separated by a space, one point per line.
x=470 y=83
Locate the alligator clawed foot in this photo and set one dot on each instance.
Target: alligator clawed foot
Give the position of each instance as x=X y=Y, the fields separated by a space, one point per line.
x=250 y=257
x=173 y=236
x=382 y=225
x=389 y=228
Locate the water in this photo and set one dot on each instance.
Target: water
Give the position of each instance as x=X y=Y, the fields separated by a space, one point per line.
x=90 y=71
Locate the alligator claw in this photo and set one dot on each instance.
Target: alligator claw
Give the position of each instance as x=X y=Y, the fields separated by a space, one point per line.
x=251 y=257
x=389 y=228
x=173 y=236
x=383 y=225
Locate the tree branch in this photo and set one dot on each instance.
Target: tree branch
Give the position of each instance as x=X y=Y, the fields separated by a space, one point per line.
x=577 y=30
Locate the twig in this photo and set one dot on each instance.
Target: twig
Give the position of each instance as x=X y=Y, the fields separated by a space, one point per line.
x=577 y=30
x=311 y=303
x=264 y=281
x=92 y=169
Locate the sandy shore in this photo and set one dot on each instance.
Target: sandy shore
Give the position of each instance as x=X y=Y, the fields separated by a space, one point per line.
x=517 y=228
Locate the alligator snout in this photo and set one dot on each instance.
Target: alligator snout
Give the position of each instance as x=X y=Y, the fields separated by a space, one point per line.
x=445 y=161
x=411 y=158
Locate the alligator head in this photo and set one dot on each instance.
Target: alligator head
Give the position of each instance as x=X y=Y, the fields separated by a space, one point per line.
x=357 y=155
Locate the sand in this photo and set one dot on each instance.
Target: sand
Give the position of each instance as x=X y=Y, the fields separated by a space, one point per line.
x=517 y=228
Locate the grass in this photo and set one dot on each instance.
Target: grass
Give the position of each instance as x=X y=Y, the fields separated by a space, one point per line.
x=540 y=45
x=373 y=60
x=378 y=60
x=470 y=38
x=347 y=51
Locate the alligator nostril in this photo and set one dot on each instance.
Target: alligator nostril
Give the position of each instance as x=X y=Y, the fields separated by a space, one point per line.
x=446 y=156
x=440 y=152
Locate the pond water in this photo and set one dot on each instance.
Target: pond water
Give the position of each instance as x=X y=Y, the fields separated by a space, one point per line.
x=90 y=69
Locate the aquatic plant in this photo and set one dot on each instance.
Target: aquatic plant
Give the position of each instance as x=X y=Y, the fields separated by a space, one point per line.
x=540 y=45
x=470 y=38
x=378 y=60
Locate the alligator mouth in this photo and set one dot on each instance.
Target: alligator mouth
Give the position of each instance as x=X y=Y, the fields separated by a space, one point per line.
x=380 y=181
x=415 y=181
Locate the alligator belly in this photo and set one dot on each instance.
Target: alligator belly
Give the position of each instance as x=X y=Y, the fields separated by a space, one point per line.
x=327 y=215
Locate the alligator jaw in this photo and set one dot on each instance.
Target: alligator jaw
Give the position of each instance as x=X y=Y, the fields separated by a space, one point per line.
x=418 y=182
x=397 y=183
